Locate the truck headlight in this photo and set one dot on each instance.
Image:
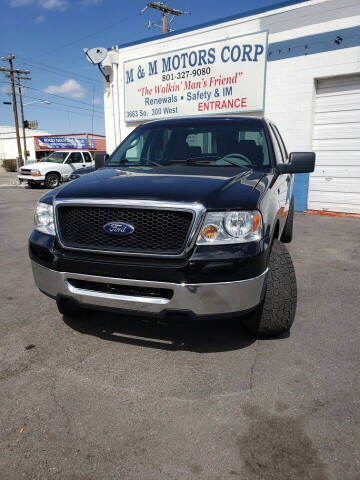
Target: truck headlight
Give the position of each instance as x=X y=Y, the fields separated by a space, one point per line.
x=44 y=218
x=35 y=173
x=230 y=227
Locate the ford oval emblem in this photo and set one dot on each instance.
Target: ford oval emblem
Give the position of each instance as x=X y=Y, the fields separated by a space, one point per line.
x=120 y=229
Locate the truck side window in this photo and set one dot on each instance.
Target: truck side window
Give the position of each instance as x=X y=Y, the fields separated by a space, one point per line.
x=133 y=153
x=87 y=157
x=75 y=157
x=278 y=153
x=281 y=143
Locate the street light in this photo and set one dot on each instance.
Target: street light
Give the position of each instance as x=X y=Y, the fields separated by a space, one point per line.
x=40 y=101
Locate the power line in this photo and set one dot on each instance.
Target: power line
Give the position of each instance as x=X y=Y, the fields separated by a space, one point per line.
x=52 y=69
x=63 y=104
x=88 y=36
x=61 y=96
x=67 y=111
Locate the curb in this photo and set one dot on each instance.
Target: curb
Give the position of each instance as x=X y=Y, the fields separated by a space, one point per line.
x=332 y=214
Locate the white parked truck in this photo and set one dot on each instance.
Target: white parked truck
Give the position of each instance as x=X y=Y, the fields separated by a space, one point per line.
x=55 y=168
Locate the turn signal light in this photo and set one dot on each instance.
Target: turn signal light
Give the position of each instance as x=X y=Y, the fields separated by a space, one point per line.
x=209 y=232
x=256 y=221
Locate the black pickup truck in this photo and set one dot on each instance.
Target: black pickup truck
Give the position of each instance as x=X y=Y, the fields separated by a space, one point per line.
x=187 y=219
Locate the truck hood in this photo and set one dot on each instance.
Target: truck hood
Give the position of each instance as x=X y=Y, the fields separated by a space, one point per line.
x=214 y=187
x=40 y=165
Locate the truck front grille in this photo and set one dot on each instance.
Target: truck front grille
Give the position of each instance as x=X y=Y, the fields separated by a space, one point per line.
x=25 y=171
x=130 y=290
x=157 y=231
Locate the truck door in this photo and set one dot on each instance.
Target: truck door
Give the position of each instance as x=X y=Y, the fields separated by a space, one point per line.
x=88 y=159
x=75 y=160
x=288 y=177
x=283 y=182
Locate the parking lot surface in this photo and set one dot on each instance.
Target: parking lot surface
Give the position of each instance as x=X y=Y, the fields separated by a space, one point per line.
x=108 y=397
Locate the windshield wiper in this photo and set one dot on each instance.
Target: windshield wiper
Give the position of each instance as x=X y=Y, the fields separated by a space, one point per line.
x=206 y=159
x=195 y=159
x=147 y=164
x=231 y=162
x=154 y=163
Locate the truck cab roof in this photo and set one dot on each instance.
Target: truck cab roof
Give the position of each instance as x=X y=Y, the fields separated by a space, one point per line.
x=206 y=119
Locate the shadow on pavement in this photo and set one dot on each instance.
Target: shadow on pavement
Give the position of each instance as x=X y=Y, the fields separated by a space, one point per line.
x=205 y=336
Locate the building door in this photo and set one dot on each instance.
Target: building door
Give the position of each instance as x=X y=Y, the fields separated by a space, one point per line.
x=335 y=183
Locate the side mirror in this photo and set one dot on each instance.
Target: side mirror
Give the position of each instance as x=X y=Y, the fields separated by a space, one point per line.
x=100 y=160
x=299 y=162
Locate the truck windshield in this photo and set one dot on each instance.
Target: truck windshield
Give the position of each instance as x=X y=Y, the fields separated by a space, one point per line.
x=55 y=157
x=231 y=144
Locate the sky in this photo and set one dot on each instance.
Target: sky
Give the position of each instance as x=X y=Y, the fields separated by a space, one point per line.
x=47 y=37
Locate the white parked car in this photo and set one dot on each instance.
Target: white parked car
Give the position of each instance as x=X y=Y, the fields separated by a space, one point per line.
x=55 y=168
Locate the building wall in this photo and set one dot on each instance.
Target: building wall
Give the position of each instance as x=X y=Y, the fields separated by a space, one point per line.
x=8 y=143
x=302 y=48
x=293 y=111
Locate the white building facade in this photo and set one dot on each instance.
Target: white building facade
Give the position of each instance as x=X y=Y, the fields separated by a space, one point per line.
x=8 y=142
x=312 y=88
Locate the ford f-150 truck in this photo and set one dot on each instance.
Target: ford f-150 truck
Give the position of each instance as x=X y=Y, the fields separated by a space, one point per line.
x=55 y=168
x=187 y=219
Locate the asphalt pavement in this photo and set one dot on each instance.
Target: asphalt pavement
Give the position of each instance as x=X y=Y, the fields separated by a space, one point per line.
x=8 y=179
x=110 y=397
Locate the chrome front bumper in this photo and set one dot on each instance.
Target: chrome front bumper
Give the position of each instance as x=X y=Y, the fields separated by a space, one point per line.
x=199 y=299
x=27 y=178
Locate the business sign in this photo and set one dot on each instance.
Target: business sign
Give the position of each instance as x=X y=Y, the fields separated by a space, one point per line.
x=227 y=76
x=72 y=143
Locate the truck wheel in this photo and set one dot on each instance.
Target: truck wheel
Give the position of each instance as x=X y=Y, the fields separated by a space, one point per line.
x=276 y=313
x=52 y=180
x=66 y=307
x=287 y=233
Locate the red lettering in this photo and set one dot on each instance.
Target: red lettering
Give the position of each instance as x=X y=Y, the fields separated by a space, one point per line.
x=223 y=104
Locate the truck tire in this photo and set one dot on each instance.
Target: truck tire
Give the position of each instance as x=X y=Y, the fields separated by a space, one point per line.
x=67 y=307
x=275 y=315
x=287 y=233
x=52 y=180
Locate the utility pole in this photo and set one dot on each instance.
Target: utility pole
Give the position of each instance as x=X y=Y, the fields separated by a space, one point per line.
x=10 y=70
x=164 y=22
x=19 y=78
x=165 y=12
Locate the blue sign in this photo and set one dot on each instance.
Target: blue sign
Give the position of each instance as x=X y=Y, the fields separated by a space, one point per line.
x=68 y=143
x=119 y=229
